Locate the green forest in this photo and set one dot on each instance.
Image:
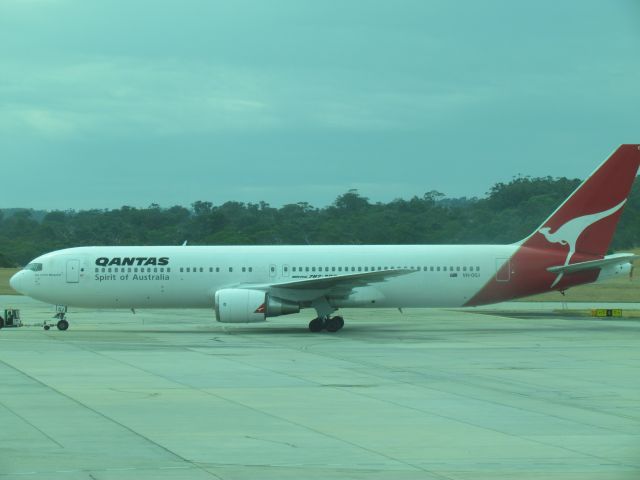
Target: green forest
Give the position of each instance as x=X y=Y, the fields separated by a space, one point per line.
x=508 y=213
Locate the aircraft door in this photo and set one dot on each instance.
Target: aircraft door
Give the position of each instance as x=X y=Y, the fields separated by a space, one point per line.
x=73 y=271
x=285 y=270
x=273 y=270
x=503 y=269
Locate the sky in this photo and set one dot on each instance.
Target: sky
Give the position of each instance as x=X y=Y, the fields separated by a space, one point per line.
x=134 y=102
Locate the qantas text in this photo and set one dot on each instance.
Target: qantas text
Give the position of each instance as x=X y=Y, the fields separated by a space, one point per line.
x=129 y=261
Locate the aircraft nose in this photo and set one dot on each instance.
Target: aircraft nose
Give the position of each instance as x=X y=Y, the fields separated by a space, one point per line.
x=17 y=282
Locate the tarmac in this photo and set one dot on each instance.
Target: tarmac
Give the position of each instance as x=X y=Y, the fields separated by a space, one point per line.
x=513 y=391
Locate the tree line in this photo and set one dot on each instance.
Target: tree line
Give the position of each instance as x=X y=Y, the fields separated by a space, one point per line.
x=509 y=212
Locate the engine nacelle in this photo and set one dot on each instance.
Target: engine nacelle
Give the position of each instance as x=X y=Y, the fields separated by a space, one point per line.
x=241 y=305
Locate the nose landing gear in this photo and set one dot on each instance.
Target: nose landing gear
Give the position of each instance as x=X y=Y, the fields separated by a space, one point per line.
x=61 y=314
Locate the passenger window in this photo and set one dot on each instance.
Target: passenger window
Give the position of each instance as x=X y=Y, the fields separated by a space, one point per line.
x=244 y=269
x=477 y=269
x=155 y=270
x=333 y=269
x=188 y=269
x=210 y=269
x=366 y=269
x=306 y=269
x=168 y=269
x=97 y=269
x=431 y=269
x=457 y=269
x=339 y=269
x=464 y=269
x=217 y=269
x=313 y=269
x=251 y=269
x=230 y=269
x=359 y=269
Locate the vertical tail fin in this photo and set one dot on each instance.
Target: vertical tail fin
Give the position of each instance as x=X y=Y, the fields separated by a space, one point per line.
x=580 y=230
x=586 y=221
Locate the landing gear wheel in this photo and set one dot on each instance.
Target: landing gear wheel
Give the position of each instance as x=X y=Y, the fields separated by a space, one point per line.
x=47 y=327
x=334 y=324
x=1 y=322
x=62 y=324
x=316 y=325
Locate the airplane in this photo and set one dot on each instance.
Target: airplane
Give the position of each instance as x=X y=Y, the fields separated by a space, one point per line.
x=246 y=284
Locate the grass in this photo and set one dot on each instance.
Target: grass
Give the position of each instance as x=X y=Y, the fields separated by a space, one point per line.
x=5 y=275
x=617 y=290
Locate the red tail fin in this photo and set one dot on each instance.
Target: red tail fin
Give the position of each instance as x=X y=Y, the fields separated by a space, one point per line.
x=586 y=221
x=580 y=230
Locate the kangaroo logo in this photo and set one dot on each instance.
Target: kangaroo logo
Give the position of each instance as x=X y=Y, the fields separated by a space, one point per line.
x=570 y=232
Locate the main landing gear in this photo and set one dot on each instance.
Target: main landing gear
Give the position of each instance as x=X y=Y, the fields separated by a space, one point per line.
x=331 y=324
x=324 y=320
x=62 y=323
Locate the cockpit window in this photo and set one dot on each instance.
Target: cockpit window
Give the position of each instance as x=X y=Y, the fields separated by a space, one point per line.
x=36 y=267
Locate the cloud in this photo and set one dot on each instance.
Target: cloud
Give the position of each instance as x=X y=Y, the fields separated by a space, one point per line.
x=172 y=97
x=120 y=95
x=47 y=123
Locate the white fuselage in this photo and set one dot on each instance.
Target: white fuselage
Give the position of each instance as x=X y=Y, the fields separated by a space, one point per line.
x=189 y=276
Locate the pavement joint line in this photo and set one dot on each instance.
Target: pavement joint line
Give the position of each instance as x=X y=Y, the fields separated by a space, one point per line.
x=17 y=415
x=360 y=393
x=306 y=427
x=371 y=367
x=100 y=414
x=89 y=470
x=444 y=377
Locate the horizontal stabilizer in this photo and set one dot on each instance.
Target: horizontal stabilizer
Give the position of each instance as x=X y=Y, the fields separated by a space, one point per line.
x=617 y=259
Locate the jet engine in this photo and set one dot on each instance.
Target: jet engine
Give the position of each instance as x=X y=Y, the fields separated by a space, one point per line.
x=241 y=305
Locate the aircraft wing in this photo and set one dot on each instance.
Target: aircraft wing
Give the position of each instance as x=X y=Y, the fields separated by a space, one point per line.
x=617 y=259
x=334 y=286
